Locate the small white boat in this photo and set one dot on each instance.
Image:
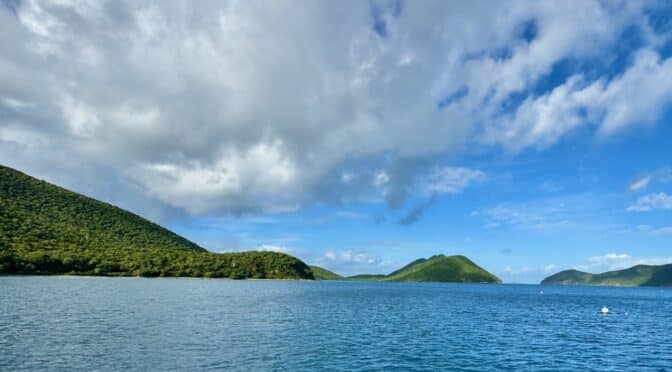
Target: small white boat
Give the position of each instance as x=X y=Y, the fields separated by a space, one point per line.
x=605 y=310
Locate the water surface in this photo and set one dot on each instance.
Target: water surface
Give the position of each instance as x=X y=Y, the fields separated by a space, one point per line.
x=57 y=323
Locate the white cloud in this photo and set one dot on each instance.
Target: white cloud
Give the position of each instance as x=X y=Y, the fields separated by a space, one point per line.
x=650 y=202
x=550 y=268
x=380 y=179
x=273 y=248
x=348 y=256
x=610 y=257
x=511 y=271
x=665 y=230
x=212 y=107
x=227 y=184
x=613 y=105
x=642 y=182
x=451 y=180
x=350 y=262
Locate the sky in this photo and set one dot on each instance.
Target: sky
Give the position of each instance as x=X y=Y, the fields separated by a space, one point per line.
x=357 y=135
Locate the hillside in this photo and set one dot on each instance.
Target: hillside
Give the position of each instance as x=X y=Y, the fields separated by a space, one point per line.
x=45 y=229
x=321 y=273
x=640 y=275
x=369 y=277
x=438 y=268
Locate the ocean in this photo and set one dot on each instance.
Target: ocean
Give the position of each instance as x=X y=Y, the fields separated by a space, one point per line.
x=133 y=324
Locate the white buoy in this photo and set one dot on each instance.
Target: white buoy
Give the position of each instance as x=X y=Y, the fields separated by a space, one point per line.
x=605 y=310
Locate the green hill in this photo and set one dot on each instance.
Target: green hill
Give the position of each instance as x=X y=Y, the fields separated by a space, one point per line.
x=438 y=268
x=45 y=229
x=324 y=274
x=640 y=275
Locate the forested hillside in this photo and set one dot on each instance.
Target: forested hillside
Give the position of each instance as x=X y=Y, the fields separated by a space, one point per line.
x=45 y=229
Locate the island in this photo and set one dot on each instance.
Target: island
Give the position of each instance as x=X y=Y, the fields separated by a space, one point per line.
x=45 y=229
x=639 y=275
x=438 y=268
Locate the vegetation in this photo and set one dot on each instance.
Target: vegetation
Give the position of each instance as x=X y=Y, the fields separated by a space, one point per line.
x=324 y=274
x=438 y=268
x=640 y=275
x=45 y=229
x=372 y=277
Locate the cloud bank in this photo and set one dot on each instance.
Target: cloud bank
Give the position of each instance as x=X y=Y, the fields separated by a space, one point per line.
x=264 y=107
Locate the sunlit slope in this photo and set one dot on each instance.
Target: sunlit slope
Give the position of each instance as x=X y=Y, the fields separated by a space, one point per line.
x=444 y=269
x=438 y=268
x=45 y=229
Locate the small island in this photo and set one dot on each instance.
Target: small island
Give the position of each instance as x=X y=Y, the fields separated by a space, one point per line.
x=640 y=275
x=439 y=268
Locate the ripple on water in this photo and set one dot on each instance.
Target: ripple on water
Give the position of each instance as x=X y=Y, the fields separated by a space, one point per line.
x=49 y=323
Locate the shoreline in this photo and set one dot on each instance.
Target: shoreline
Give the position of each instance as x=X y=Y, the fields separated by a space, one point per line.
x=73 y=276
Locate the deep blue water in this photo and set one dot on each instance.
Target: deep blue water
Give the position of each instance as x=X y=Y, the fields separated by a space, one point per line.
x=62 y=323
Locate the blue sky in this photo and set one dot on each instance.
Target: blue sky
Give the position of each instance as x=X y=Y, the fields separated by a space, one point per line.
x=532 y=215
x=358 y=135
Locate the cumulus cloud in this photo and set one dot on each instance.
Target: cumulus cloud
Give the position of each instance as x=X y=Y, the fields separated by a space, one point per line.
x=650 y=202
x=614 y=105
x=350 y=262
x=262 y=107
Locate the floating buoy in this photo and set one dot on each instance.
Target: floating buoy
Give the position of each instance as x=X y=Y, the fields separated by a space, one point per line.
x=605 y=310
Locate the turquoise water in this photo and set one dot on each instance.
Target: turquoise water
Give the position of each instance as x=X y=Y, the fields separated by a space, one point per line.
x=62 y=323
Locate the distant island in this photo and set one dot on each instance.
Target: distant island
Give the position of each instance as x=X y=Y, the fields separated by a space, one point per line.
x=437 y=268
x=640 y=275
x=45 y=229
